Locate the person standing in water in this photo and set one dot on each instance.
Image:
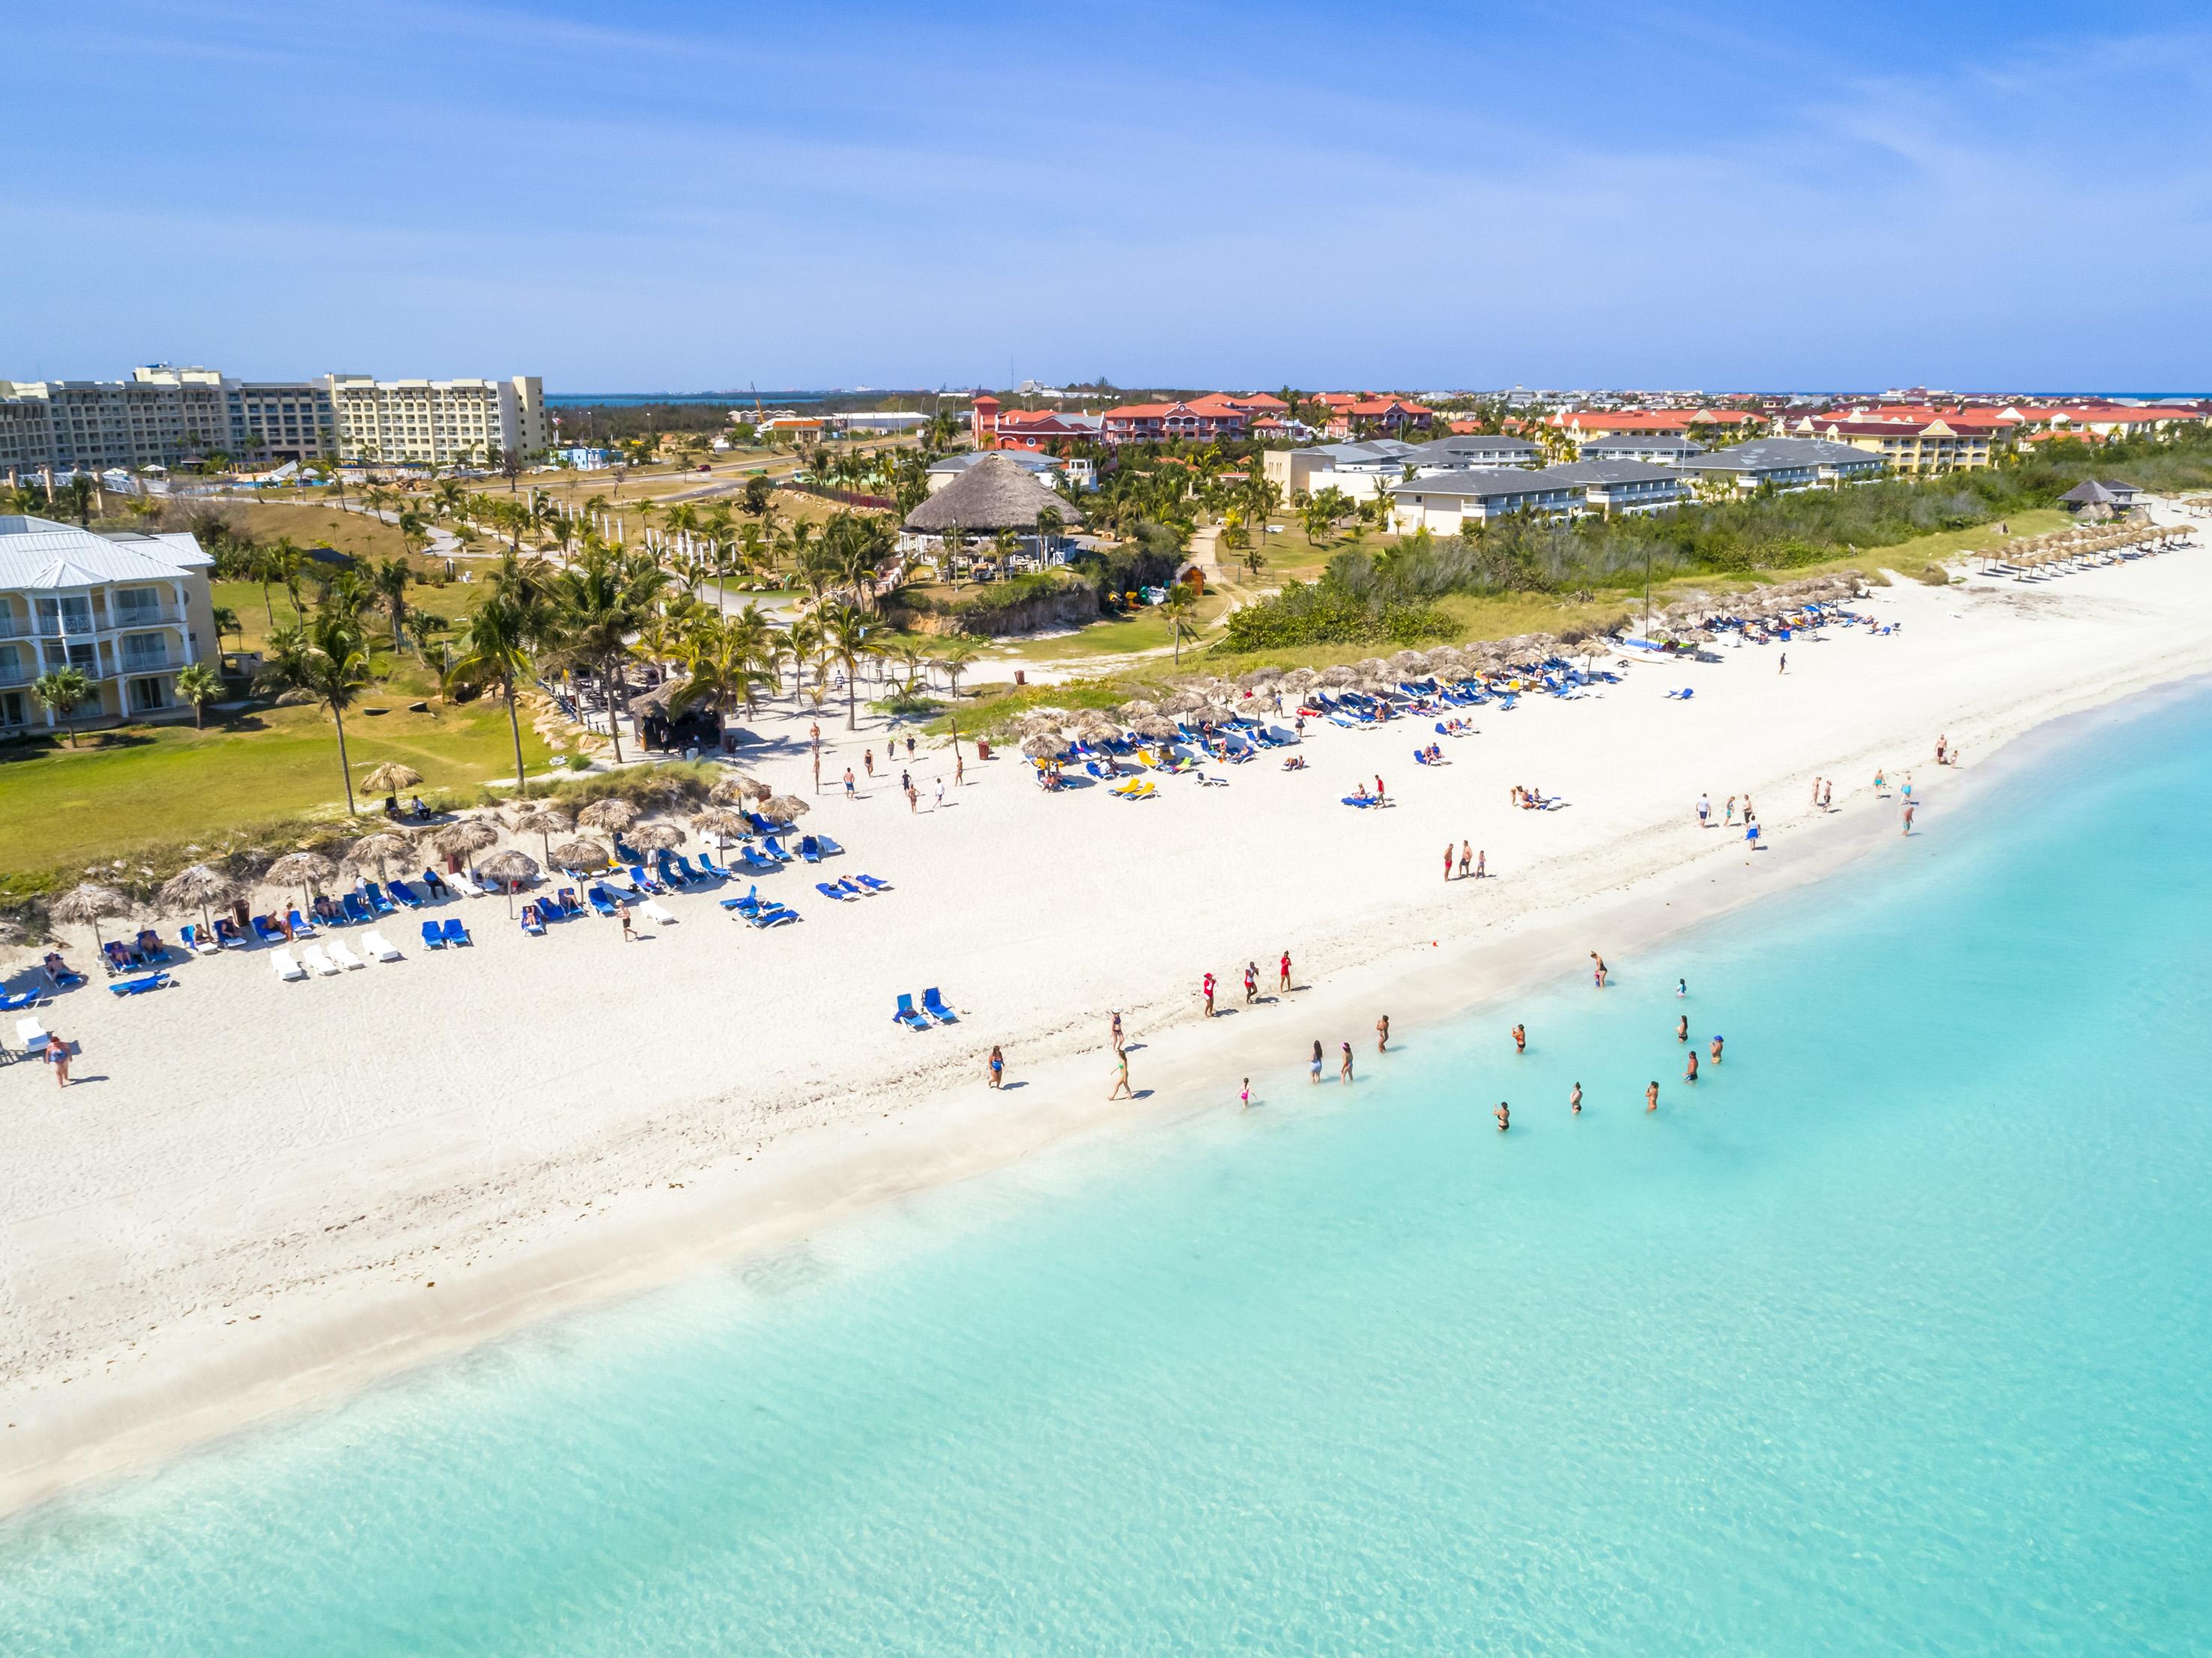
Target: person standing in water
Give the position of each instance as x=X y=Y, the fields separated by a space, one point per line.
x=1690 y=1070
x=1574 y=1101
x=1597 y=968
x=1681 y=986
x=1382 y=1035
x=1908 y=818
x=1505 y=1115
x=1651 y=1096
x=1316 y=1077
x=1682 y=1029
x=1717 y=1050
x=1520 y=1039
x=1344 y=1067
x=1245 y=1098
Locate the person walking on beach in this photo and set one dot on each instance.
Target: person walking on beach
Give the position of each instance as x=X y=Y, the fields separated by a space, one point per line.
x=1816 y=793
x=1505 y=1115
x=912 y=800
x=1315 y=1075
x=1784 y=667
x=939 y=781
x=1466 y=859
x=909 y=746
x=868 y=761
x=1690 y=1070
x=1574 y=1101
x=1828 y=795
x=1728 y=815
x=1704 y=811
x=1283 y=980
x=1380 y=797
x=998 y=1064
x=849 y=782
x=1908 y=818
x=1344 y=1067
x=959 y=771
x=1717 y=1050
x=817 y=771
x=1481 y=864
x=1117 y=1030
x=1208 y=988
x=1880 y=783
x=1120 y=1078
x=58 y=1051
x=1382 y=1035
x=1651 y=1096
x=1520 y=1039
x=1597 y=968
x=1251 y=983
x=1447 y=861
x=1942 y=743
x=621 y=915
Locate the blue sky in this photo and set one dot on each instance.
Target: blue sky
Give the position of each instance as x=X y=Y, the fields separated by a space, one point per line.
x=687 y=196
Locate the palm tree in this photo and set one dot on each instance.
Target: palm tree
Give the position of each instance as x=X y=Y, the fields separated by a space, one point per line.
x=1178 y=607
x=721 y=670
x=953 y=661
x=598 y=602
x=63 y=690
x=495 y=649
x=226 y=622
x=388 y=580
x=844 y=629
x=199 y=685
x=329 y=657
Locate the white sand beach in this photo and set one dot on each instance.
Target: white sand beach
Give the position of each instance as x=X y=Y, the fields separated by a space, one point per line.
x=258 y=1192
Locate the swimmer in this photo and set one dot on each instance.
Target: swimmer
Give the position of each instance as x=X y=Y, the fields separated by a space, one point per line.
x=1575 y=1100
x=1651 y=1097
x=1681 y=986
x=1690 y=1070
x=1520 y=1039
x=1717 y=1050
x=1505 y=1116
x=1682 y=1029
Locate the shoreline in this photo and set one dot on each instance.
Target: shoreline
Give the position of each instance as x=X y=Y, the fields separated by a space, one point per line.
x=337 y=1339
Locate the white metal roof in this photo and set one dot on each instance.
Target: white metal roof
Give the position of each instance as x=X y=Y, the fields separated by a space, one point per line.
x=39 y=554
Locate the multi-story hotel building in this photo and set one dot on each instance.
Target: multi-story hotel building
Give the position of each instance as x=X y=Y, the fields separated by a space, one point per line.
x=439 y=422
x=128 y=609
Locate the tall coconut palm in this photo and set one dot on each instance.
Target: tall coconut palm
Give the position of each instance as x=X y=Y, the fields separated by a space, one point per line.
x=328 y=658
x=598 y=602
x=496 y=648
x=389 y=580
x=720 y=670
x=1179 y=608
x=199 y=685
x=845 y=631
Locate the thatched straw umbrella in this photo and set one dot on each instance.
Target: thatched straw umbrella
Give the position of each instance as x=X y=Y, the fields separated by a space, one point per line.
x=580 y=854
x=1157 y=727
x=464 y=840
x=1043 y=748
x=611 y=815
x=1338 y=675
x=390 y=778
x=378 y=849
x=544 y=822
x=304 y=867
x=720 y=822
x=1138 y=707
x=659 y=837
x=1183 y=702
x=510 y=868
x=87 y=901
x=736 y=791
x=198 y=886
x=785 y=808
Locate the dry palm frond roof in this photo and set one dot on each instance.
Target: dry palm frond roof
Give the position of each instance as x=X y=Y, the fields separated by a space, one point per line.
x=994 y=494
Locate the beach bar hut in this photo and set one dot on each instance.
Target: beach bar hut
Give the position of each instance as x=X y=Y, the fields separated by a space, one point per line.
x=993 y=494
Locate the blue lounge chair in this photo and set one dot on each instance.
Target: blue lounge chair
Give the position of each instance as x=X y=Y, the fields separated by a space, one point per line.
x=752 y=859
x=151 y=947
x=454 y=932
x=848 y=886
x=356 y=908
x=301 y=926
x=135 y=986
x=434 y=937
x=828 y=891
x=267 y=931
x=908 y=1015
x=602 y=901
x=664 y=866
x=703 y=873
x=810 y=848
x=22 y=999
x=228 y=935
x=870 y=883
x=760 y=824
x=532 y=924
x=1354 y=800
x=1682 y=696
x=646 y=883
x=769 y=845
x=934 y=1004
x=407 y=894
x=829 y=848
x=117 y=957
x=715 y=871
x=378 y=901
x=561 y=905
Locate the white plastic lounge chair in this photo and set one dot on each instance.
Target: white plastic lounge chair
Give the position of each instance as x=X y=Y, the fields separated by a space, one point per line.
x=32 y=1036
x=378 y=946
x=311 y=956
x=653 y=910
x=282 y=964
x=342 y=956
x=459 y=880
x=620 y=881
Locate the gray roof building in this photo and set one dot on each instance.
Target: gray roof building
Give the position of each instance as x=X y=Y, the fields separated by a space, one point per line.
x=1475 y=449
x=1790 y=462
x=1661 y=446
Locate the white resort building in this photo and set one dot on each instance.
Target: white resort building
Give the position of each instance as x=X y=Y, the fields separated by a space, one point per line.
x=439 y=422
x=129 y=609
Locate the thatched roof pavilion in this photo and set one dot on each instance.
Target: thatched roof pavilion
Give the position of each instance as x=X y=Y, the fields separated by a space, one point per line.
x=993 y=494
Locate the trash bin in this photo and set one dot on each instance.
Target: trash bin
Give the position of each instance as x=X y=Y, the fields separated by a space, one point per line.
x=983 y=747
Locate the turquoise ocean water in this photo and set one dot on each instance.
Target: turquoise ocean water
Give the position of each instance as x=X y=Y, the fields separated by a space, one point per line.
x=1892 y=1337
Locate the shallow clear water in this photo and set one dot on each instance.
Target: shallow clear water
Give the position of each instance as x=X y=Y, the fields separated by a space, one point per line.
x=1892 y=1338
